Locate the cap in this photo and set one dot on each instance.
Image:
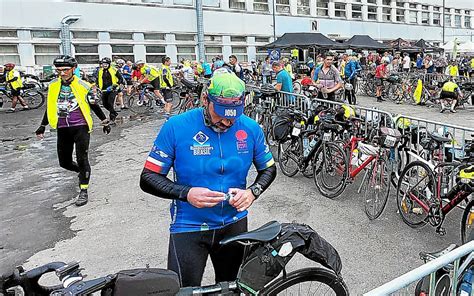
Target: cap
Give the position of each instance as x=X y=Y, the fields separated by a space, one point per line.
x=227 y=92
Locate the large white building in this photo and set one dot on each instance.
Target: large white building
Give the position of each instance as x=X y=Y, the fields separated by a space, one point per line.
x=150 y=29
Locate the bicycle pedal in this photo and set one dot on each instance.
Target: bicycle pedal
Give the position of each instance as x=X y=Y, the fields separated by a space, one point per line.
x=441 y=231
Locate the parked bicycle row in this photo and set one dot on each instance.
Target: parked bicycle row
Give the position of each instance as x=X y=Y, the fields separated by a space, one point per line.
x=429 y=164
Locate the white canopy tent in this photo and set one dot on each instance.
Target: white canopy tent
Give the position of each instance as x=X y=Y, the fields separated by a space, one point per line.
x=466 y=47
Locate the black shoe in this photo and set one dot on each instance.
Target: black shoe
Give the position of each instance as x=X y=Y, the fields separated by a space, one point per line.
x=379 y=100
x=82 y=198
x=442 y=110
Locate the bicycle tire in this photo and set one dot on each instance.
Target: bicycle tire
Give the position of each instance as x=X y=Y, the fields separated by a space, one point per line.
x=177 y=100
x=34 y=99
x=288 y=154
x=297 y=87
x=323 y=167
x=377 y=199
x=465 y=231
x=333 y=282
x=405 y=204
x=139 y=109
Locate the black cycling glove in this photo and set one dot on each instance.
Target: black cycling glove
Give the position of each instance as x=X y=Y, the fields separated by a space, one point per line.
x=106 y=129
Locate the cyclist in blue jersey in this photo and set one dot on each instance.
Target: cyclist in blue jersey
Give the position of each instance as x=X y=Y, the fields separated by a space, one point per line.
x=211 y=150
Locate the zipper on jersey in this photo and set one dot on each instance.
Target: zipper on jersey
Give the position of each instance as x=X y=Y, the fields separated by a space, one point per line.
x=222 y=172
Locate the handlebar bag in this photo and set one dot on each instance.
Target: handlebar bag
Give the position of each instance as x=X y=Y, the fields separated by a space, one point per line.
x=145 y=282
x=264 y=262
x=389 y=137
x=282 y=126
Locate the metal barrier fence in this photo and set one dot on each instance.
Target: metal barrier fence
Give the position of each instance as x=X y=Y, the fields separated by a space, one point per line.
x=403 y=285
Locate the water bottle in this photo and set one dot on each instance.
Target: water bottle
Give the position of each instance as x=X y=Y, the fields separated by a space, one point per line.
x=305 y=147
x=312 y=144
x=355 y=157
x=466 y=286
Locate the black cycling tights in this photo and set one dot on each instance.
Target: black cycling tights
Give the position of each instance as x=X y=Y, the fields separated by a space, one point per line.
x=188 y=252
x=77 y=136
x=108 y=100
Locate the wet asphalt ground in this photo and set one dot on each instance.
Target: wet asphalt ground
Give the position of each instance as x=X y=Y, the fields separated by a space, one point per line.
x=123 y=228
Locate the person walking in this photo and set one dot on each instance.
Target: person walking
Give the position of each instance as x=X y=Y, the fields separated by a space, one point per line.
x=15 y=84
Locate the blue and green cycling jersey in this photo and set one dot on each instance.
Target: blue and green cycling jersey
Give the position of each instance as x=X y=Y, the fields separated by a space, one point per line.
x=201 y=157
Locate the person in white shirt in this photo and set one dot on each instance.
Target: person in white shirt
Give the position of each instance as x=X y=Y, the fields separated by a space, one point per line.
x=406 y=63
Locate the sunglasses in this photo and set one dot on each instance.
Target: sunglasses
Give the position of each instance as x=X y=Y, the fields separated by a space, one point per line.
x=63 y=70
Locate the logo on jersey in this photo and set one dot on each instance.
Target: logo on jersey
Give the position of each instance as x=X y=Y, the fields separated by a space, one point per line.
x=201 y=145
x=241 y=137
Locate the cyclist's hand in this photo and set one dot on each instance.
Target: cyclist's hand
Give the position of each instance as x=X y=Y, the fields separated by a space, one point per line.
x=201 y=197
x=242 y=199
x=40 y=132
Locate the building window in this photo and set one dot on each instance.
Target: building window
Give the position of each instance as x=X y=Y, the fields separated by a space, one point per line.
x=357 y=12
x=45 y=34
x=400 y=15
x=412 y=5
x=86 y=54
x=121 y=36
x=212 y=52
x=184 y=37
x=261 y=54
x=340 y=9
x=425 y=18
x=400 y=4
x=8 y=34
x=240 y=53
x=447 y=20
x=123 y=52
x=467 y=21
x=457 y=11
x=412 y=17
x=437 y=19
x=371 y=1
x=238 y=39
x=283 y=6
x=213 y=38
x=457 y=21
x=372 y=13
x=424 y=7
x=387 y=2
x=84 y=35
x=386 y=14
x=154 y=54
x=211 y=3
x=9 y=54
x=436 y=8
x=260 y=5
x=183 y=2
x=237 y=4
x=322 y=7
x=262 y=39
x=186 y=52
x=303 y=7
x=154 y=36
x=46 y=53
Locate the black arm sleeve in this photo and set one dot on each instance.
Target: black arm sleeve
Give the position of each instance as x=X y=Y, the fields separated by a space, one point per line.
x=45 y=121
x=165 y=79
x=121 y=80
x=159 y=185
x=265 y=177
x=12 y=80
x=94 y=106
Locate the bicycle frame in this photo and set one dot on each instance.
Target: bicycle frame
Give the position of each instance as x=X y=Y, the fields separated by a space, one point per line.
x=354 y=172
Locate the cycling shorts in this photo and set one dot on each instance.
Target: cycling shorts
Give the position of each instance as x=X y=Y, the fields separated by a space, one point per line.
x=378 y=82
x=448 y=95
x=15 y=92
x=167 y=95
x=155 y=83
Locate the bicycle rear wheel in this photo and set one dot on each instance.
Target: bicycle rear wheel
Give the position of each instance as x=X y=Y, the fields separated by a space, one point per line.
x=140 y=105
x=330 y=170
x=416 y=186
x=467 y=221
x=377 y=188
x=308 y=281
x=34 y=99
x=288 y=157
x=177 y=100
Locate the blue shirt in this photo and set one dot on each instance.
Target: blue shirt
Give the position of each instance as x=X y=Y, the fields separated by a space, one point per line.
x=201 y=157
x=350 y=69
x=128 y=74
x=207 y=68
x=284 y=78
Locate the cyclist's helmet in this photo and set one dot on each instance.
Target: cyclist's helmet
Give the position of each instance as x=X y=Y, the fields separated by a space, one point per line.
x=9 y=65
x=140 y=62
x=120 y=62
x=106 y=61
x=227 y=92
x=65 y=61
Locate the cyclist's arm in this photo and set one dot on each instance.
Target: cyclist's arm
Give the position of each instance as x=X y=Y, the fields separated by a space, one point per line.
x=265 y=177
x=45 y=121
x=159 y=185
x=119 y=75
x=165 y=79
x=263 y=161
x=12 y=80
x=91 y=99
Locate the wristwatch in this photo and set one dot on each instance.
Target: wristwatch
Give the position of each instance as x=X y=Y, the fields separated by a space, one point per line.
x=256 y=190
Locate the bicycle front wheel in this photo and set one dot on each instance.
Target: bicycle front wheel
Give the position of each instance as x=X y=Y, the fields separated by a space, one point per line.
x=308 y=281
x=288 y=157
x=467 y=221
x=330 y=167
x=177 y=100
x=377 y=189
x=34 y=99
x=140 y=104
x=416 y=192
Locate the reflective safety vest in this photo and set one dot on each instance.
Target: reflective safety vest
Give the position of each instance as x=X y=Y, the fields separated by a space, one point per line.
x=113 y=74
x=151 y=73
x=289 y=69
x=295 y=53
x=167 y=75
x=453 y=70
x=450 y=86
x=80 y=89
x=17 y=83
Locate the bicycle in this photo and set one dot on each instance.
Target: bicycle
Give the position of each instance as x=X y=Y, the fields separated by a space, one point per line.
x=33 y=98
x=267 y=251
x=423 y=196
x=357 y=156
x=190 y=95
x=143 y=99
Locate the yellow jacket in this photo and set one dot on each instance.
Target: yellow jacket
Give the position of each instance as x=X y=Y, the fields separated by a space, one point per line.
x=17 y=83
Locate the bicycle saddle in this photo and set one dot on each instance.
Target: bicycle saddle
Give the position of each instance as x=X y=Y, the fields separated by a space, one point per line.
x=264 y=233
x=439 y=138
x=434 y=255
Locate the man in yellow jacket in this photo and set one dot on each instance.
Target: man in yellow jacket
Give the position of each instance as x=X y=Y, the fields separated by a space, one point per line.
x=68 y=109
x=449 y=94
x=109 y=81
x=15 y=83
x=167 y=84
